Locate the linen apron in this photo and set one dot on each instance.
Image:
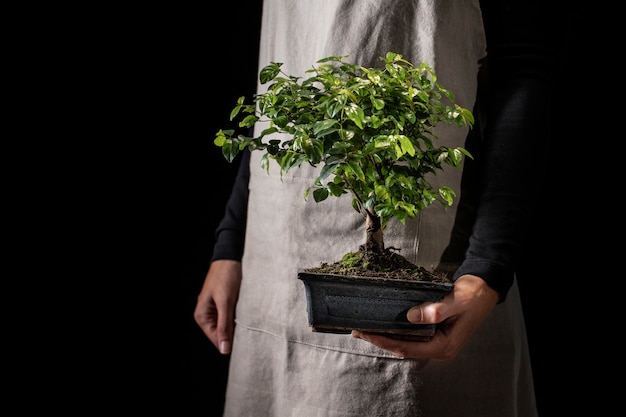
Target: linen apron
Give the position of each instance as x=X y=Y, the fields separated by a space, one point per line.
x=278 y=366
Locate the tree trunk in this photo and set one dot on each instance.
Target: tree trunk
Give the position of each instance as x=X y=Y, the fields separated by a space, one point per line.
x=374 y=233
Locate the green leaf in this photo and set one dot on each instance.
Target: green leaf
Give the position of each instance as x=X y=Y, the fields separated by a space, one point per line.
x=324 y=127
x=248 y=121
x=281 y=121
x=230 y=151
x=337 y=189
x=269 y=72
x=235 y=112
x=378 y=103
x=406 y=145
x=356 y=170
x=320 y=194
x=447 y=194
x=327 y=169
x=220 y=138
x=313 y=149
x=355 y=113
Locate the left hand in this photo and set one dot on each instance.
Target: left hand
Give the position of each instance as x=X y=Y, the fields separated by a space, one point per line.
x=459 y=314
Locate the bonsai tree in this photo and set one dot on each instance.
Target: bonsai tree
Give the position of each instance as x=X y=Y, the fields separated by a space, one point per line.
x=369 y=129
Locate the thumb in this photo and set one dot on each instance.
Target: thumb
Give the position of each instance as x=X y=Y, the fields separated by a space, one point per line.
x=426 y=313
x=414 y=315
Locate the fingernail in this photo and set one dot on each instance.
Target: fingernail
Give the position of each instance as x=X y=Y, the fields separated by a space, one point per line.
x=224 y=347
x=414 y=315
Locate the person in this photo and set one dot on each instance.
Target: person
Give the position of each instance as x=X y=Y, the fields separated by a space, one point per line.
x=493 y=57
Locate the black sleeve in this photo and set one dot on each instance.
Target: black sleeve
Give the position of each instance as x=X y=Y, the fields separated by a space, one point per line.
x=231 y=231
x=513 y=129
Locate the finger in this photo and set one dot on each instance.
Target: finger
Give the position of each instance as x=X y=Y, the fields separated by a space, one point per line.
x=225 y=329
x=405 y=349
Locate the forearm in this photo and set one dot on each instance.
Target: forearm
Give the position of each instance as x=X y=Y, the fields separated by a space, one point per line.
x=514 y=112
x=230 y=233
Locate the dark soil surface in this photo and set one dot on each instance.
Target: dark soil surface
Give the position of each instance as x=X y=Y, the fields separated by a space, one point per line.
x=387 y=264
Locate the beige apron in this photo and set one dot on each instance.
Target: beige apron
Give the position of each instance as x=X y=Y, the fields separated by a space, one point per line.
x=278 y=366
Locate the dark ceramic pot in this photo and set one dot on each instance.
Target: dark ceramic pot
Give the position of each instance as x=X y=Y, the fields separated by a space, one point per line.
x=339 y=304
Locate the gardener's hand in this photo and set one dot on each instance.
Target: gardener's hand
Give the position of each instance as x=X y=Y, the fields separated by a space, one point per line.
x=460 y=313
x=215 y=309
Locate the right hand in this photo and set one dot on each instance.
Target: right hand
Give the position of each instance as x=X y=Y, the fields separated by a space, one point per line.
x=215 y=308
x=459 y=314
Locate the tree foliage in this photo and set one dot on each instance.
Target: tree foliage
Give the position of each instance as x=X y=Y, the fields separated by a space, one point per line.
x=369 y=129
